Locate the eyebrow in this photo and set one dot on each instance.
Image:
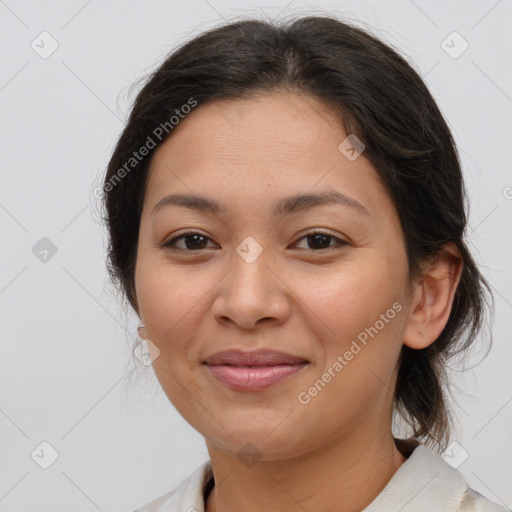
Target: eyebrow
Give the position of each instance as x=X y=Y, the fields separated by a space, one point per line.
x=292 y=204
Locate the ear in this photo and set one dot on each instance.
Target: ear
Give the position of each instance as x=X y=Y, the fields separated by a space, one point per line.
x=432 y=298
x=135 y=304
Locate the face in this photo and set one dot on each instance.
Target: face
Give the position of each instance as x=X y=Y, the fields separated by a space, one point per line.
x=323 y=281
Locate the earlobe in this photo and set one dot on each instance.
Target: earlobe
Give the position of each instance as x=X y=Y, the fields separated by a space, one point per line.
x=141 y=331
x=433 y=298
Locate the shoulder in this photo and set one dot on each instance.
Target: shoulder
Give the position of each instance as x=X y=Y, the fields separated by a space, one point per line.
x=186 y=497
x=473 y=501
x=426 y=482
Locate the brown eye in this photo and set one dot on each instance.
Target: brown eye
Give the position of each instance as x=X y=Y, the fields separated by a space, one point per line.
x=194 y=241
x=319 y=241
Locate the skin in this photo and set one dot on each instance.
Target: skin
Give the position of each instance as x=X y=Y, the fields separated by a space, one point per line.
x=336 y=452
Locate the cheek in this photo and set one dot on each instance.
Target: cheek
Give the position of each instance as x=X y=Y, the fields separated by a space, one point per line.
x=349 y=299
x=173 y=304
x=357 y=360
x=362 y=312
x=170 y=299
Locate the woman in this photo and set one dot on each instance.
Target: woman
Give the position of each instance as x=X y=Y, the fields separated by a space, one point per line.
x=286 y=216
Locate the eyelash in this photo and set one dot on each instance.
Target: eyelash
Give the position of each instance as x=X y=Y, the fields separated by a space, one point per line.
x=170 y=244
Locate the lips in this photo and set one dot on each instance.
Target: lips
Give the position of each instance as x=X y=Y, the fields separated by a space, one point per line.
x=255 y=358
x=253 y=371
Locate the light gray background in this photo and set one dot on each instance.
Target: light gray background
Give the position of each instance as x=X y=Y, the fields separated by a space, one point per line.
x=67 y=375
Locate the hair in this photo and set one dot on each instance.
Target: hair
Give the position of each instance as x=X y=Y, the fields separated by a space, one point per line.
x=378 y=97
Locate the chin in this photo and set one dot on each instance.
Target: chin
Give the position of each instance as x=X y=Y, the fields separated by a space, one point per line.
x=259 y=444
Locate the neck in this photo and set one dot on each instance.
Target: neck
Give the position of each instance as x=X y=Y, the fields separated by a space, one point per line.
x=345 y=475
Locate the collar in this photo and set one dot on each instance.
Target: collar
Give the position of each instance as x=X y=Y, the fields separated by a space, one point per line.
x=424 y=482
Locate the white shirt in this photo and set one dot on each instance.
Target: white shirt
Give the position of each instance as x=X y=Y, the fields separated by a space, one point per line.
x=423 y=483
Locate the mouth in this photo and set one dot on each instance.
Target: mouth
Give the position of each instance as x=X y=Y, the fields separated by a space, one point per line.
x=261 y=357
x=253 y=371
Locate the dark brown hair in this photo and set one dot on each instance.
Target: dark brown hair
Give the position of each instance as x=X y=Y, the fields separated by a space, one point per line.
x=381 y=99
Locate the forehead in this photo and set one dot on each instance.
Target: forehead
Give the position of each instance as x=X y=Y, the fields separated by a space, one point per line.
x=286 y=118
x=250 y=149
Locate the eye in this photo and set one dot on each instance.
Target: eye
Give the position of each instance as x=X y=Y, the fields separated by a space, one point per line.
x=194 y=241
x=317 y=238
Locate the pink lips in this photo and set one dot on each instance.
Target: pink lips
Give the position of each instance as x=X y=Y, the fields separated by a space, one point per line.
x=253 y=371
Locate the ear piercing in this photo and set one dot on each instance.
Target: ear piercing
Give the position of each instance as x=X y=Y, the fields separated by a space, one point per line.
x=421 y=334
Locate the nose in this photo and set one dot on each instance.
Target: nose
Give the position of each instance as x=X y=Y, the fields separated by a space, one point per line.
x=252 y=293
